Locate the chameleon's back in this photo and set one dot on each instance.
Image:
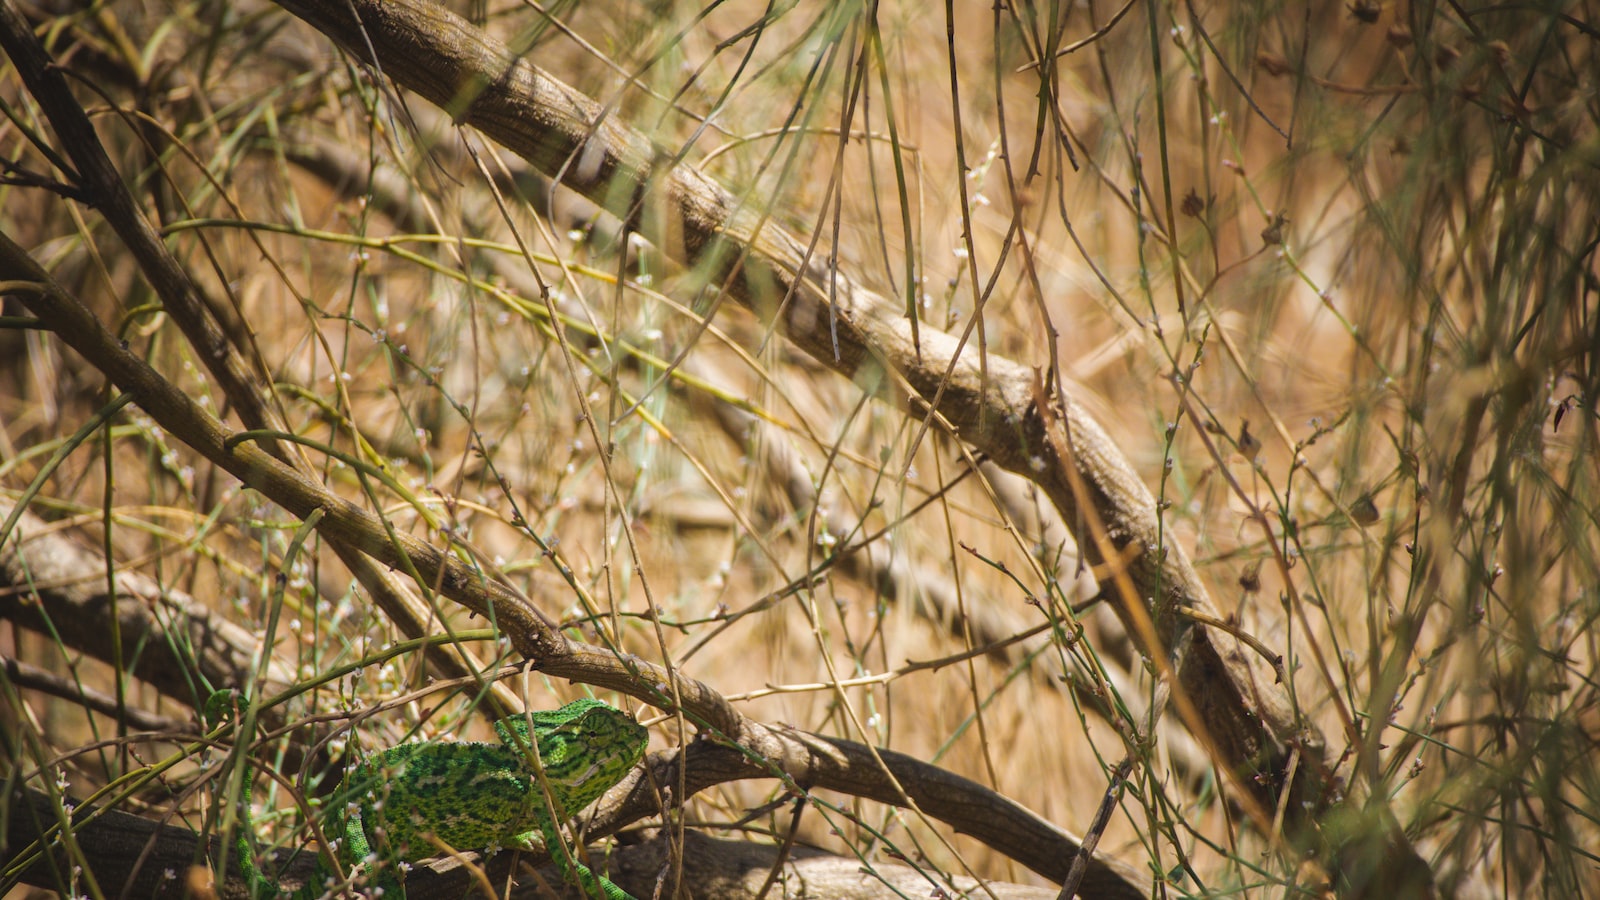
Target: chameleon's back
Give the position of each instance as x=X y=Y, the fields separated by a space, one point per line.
x=468 y=795
x=475 y=795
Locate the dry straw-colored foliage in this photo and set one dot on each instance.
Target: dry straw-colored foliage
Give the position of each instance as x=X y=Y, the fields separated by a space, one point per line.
x=1141 y=447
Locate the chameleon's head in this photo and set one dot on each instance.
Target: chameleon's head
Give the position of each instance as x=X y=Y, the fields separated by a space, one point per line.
x=587 y=746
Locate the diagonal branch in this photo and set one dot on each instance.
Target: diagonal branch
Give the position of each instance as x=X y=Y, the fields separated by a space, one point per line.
x=803 y=760
x=1233 y=704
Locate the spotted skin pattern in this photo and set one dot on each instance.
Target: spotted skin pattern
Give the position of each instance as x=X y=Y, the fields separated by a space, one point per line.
x=474 y=796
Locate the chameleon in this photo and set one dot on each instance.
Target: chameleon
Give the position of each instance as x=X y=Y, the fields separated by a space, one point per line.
x=473 y=795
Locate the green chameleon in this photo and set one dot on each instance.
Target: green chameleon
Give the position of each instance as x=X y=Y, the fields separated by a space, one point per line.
x=474 y=795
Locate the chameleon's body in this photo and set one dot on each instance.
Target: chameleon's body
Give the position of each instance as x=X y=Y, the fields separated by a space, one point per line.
x=474 y=796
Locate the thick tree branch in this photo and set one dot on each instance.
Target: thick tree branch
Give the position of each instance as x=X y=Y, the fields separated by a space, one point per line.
x=805 y=759
x=54 y=585
x=1237 y=708
x=152 y=860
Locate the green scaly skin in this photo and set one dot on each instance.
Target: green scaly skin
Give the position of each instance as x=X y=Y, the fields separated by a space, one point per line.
x=473 y=795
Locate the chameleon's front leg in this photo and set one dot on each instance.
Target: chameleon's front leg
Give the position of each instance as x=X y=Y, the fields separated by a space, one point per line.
x=356 y=852
x=351 y=847
x=575 y=872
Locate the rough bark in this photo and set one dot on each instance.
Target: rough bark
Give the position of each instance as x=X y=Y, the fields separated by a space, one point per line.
x=147 y=859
